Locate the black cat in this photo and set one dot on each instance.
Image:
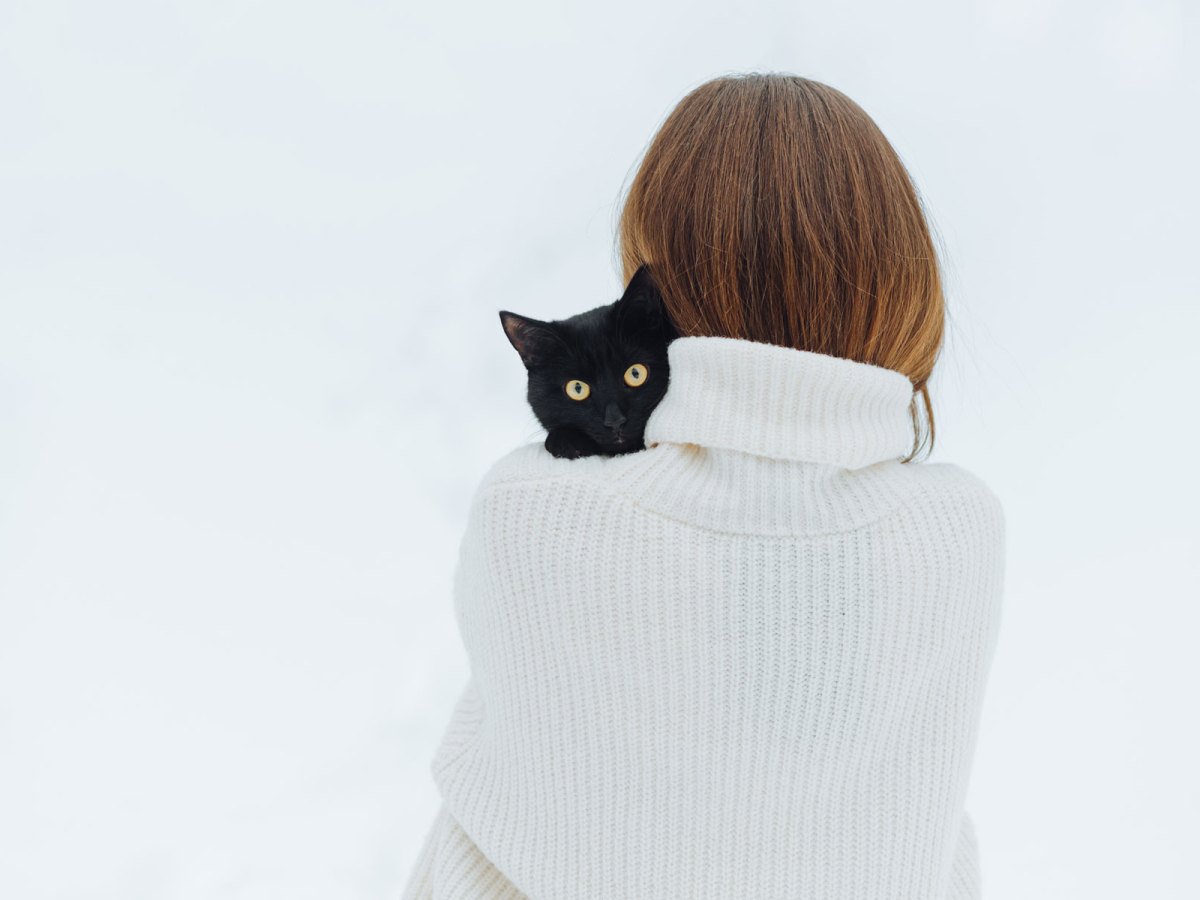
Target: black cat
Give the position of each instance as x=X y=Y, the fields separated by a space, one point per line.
x=594 y=378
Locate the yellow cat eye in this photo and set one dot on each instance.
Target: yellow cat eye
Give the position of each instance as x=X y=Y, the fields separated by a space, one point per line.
x=635 y=375
x=578 y=390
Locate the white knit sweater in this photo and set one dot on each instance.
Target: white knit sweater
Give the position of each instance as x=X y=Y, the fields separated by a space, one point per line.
x=746 y=662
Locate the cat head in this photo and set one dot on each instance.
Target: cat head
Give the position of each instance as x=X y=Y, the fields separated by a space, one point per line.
x=601 y=372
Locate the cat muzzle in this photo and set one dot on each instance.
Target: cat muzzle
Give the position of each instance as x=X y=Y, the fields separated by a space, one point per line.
x=613 y=417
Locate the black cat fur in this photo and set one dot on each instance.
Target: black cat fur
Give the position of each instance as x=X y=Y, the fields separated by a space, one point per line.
x=596 y=347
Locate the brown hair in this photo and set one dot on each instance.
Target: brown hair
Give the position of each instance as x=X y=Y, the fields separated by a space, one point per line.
x=771 y=207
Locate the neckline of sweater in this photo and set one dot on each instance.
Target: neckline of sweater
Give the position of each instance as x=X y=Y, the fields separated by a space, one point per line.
x=783 y=403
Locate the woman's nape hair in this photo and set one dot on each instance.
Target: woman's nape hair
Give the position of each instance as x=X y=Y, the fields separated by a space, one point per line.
x=772 y=208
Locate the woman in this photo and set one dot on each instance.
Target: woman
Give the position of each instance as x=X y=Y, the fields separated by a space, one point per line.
x=748 y=661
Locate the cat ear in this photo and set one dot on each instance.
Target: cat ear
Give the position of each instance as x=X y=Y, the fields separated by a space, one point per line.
x=643 y=302
x=641 y=292
x=528 y=336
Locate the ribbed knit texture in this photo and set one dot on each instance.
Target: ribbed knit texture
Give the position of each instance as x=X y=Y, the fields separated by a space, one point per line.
x=747 y=662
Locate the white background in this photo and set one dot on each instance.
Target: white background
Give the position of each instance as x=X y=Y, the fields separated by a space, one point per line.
x=251 y=256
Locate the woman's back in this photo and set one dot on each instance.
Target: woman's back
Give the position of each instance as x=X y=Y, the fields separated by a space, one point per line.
x=746 y=662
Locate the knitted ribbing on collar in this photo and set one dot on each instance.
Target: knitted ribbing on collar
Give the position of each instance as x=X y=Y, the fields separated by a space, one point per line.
x=781 y=402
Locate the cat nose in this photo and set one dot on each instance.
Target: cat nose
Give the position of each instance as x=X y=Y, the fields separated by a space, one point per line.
x=613 y=417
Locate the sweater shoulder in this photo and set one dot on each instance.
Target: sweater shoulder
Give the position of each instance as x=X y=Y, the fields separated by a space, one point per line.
x=959 y=519
x=520 y=463
x=950 y=486
x=532 y=462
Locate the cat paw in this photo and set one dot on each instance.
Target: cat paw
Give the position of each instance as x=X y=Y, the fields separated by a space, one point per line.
x=565 y=443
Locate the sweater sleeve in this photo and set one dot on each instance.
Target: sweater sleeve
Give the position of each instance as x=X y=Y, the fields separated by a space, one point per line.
x=450 y=865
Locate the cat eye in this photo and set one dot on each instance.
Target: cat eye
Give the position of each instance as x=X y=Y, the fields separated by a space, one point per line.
x=578 y=390
x=635 y=375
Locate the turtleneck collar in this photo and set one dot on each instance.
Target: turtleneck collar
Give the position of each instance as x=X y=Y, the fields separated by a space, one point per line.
x=782 y=403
